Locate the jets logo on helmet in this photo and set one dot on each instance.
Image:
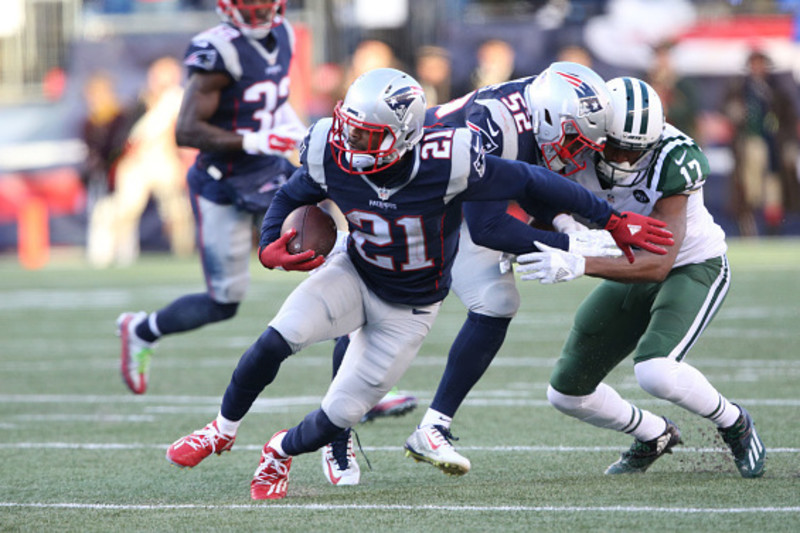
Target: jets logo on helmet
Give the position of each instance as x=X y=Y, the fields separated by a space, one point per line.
x=401 y=100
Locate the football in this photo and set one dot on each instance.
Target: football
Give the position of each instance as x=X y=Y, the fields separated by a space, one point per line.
x=316 y=230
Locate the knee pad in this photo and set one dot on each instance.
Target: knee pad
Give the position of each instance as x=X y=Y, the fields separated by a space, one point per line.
x=570 y=405
x=499 y=299
x=344 y=410
x=658 y=376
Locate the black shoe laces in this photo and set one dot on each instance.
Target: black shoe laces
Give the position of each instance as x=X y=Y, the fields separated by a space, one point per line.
x=736 y=434
x=339 y=449
x=446 y=433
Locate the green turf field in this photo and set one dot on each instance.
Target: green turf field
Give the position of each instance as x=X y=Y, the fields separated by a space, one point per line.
x=79 y=453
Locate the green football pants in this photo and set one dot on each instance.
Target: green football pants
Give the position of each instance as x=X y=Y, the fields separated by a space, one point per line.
x=651 y=319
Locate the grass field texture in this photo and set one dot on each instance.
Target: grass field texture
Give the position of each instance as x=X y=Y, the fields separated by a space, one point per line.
x=79 y=453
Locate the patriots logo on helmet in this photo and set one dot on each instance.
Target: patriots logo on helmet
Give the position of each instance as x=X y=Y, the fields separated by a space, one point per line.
x=587 y=96
x=400 y=101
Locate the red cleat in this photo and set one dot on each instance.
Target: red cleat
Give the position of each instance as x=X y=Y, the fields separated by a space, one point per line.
x=272 y=475
x=188 y=451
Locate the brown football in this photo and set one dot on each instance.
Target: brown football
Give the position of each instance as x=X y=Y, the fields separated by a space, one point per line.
x=316 y=230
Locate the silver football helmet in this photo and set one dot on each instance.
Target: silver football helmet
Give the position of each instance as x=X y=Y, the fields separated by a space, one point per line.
x=636 y=128
x=254 y=18
x=570 y=107
x=379 y=121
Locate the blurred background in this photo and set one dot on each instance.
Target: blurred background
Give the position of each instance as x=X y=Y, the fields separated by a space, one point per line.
x=77 y=75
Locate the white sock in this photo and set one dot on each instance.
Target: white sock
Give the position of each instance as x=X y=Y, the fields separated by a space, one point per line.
x=227 y=427
x=276 y=444
x=684 y=385
x=151 y=322
x=605 y=408
x=435 y=418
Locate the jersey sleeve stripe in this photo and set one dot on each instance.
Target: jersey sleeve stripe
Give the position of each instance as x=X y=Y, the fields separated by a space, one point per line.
x=462 y=158
x=317 y=144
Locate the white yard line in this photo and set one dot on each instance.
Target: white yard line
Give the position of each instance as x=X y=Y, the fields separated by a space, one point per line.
x=252 y=447
x=172 y=404
x=448 y=508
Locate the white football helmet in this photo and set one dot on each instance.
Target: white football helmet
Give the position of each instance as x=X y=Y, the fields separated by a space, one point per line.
x=569 y=106
x=634 y=131
x=254 y=18
x=379 y=120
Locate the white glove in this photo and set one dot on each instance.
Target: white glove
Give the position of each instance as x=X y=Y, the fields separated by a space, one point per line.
x=506 y=262
x=593 y=243
x=278 y=141
x=564 y=223
x=551 y=265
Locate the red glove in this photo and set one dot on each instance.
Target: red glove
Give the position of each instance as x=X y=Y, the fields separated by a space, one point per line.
x=275 y=255
x=632 y=229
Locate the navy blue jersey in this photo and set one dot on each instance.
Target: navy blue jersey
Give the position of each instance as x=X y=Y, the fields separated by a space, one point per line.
x=501 y=116
x=404 y=222
x=499 y=113
x=259 y=73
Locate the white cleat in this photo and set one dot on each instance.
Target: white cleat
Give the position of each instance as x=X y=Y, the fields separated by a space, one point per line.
x=431 y=444
x=339 y=463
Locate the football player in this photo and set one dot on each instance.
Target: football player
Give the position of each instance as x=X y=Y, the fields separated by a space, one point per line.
x=565 y=141
x=235 y=111
x=401 y=188
x=655 y=308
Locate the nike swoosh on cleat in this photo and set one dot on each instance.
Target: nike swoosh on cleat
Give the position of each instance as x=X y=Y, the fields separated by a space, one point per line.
x=332 y=477
x=415 y=311
x=434 y=446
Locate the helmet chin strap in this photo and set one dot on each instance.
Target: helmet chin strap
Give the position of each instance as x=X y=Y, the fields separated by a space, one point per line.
x=620 y=174
x=557 y=164
x=360 y=161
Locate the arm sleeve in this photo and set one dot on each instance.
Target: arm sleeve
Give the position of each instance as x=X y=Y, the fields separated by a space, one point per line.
x=533 y=185
x=299 y=190
x=491 y=226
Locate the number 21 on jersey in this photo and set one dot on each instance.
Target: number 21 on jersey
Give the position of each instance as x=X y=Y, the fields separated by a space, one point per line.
x=435 y=145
